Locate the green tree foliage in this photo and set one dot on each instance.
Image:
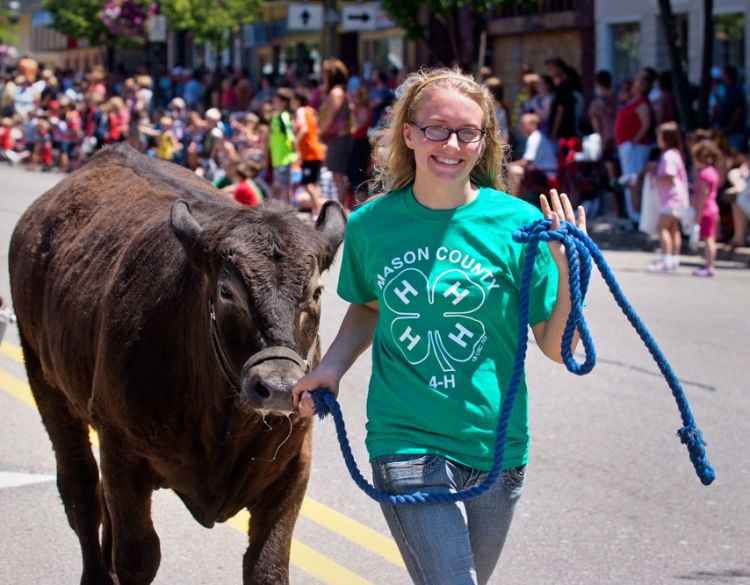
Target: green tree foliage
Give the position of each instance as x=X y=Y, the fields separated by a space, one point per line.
x=209 y=20
x=8 y=32
x=460 y=22
x=403 y=12
x=78 y=19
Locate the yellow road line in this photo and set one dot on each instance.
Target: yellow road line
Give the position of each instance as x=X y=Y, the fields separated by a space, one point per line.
x=12 y=351
x=308 y=559
x=360 y=534
x=319 y=566
x=17 y=388
x=317 y=512
x=20 y=390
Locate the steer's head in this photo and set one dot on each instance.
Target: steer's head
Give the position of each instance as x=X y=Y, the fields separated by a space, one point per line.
x=262 y=270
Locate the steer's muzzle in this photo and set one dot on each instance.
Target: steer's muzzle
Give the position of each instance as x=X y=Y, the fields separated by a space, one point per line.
x=268 y=377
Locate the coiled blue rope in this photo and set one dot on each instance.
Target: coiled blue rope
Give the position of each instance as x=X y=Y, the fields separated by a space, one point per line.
x=580 y=250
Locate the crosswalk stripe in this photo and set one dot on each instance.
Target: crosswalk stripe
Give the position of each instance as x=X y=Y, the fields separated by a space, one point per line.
x=317 y=512
x=15 y=479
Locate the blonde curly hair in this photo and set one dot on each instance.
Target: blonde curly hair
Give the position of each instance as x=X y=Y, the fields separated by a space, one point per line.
x=394 y=163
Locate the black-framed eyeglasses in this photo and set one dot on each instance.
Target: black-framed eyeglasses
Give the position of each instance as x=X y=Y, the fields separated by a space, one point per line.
x=441 y=133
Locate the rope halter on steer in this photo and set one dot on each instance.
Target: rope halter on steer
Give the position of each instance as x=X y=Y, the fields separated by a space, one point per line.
x=580 y=251
x=274 y=352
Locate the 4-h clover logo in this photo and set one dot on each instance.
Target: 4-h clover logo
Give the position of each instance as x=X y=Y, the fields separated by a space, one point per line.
x=449 y=333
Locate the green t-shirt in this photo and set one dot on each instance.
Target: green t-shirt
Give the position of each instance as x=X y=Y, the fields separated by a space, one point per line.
x=447 y=283
x=224 y=181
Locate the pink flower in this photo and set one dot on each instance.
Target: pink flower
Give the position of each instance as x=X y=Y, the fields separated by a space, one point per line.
x=126 y=17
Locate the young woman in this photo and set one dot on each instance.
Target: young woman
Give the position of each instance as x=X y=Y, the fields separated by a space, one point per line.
x=335 y=124
x=438 y=299
x=358 y=169
x=633 y=136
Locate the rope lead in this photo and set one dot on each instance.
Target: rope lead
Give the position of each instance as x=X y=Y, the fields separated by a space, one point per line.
x=580 y=250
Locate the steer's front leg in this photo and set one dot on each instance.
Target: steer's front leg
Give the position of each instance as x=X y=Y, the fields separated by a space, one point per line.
x=266 y=560
x=128 y=487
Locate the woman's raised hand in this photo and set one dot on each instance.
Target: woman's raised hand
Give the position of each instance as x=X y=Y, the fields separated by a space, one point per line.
x=557 y=208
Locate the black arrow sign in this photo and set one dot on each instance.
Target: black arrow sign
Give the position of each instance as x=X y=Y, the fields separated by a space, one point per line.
x=305 y=16
x=364 y=16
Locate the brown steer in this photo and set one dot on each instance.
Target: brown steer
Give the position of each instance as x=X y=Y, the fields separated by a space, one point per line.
x=175 y=323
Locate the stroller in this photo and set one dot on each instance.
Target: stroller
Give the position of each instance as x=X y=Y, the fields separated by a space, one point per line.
x=581 y=172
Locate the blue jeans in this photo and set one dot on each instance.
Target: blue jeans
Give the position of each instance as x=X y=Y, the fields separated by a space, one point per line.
x=633 y=159
x=447 y=544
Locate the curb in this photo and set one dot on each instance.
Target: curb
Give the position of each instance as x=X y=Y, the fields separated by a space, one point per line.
x=739 y=254
x=609 y=237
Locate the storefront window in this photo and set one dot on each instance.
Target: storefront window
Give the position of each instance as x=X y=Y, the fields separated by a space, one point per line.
x=729 y=41
x=300 y=61
x=387 y=54
x=626 y=50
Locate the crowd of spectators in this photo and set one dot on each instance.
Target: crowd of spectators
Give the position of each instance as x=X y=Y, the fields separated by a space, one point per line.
x=302 y=141
x=297 y=141
x=606 y=152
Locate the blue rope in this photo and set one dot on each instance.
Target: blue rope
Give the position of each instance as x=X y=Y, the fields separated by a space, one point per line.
x=580 y=250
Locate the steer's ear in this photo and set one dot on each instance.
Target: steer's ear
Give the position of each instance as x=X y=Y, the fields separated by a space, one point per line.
x=188 y=231
x=332 y=224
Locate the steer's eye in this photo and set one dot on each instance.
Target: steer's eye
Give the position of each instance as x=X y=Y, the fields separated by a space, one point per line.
x=225 y=292
x=317 y=294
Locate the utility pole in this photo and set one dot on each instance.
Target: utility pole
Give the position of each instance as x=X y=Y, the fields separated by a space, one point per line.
x=331 y=18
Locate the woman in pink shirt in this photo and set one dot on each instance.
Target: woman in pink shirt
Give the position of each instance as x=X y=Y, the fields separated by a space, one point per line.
x=706 y=159
x=672 y=188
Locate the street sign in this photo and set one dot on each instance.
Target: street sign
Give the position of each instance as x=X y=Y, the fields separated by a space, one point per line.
x=304 y=16
x=360 y=16
x=156 y=28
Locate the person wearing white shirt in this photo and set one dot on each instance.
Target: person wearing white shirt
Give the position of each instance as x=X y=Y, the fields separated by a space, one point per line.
x=538 y=163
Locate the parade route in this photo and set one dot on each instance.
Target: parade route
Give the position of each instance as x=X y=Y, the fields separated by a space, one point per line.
x=611 y=496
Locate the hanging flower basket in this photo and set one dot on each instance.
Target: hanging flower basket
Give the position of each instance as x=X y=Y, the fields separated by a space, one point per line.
x=8 y=54
x=127 y=17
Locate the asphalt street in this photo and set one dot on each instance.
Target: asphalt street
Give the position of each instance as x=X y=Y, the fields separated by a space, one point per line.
x=611 y=496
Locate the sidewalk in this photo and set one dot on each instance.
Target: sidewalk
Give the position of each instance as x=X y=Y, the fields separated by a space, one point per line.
x=608 y=236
